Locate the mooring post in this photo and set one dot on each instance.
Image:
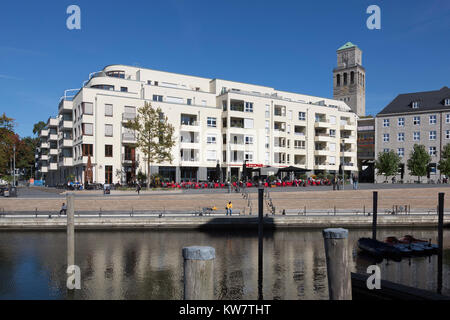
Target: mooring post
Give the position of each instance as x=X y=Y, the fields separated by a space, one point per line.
x=70 y=230
x=260 y=241
x=199 y=273
x=440 y=240
x=338 y=271
x=374 y=221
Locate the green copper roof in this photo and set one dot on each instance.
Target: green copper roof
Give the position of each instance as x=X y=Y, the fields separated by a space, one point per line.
x=347 y=45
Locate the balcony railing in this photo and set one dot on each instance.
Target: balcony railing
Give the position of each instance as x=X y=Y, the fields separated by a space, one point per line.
x=128 y=116
x=130 y=137
x=128 y=157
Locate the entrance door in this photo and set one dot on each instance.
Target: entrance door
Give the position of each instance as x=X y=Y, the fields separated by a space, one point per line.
x=108 y=174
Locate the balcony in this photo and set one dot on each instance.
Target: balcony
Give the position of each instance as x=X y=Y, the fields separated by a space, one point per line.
x=65 y=105
x=348 y=139
x=128 y=116
x=127 y=158
x=43 y=133
x=45 y=145
x=53 y=152
x=44 y=157
x=53 y=137
x=325 y=137
x=322 y=123
x=65 y=161
x=66 y=143
x=322 y=152
x=346 y=125
x=44 y=169
x=190 y=126
x=53 y=122
x=128 y=137
x=53 y=166
x=66 y=124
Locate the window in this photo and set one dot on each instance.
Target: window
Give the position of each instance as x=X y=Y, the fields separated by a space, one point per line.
x=447 y=134
x=386 y=123
x=174 y=100
x=211 y=155
x=267 y=142
x=401 y=122
x=108 y=150
x=433 y=168
x=302 y=116
x=108 y=130
x=157 y=98
x=432 y=151
x=416 y=121
x=123 y=89
x=416 y=136
x=447 y=118
x=401 y=136
x=332 y=161
x=88 y=108
x=415 y=104
x=248 y=107
x=386 y=150
x=386 y=137
x=338 y=80
x=332 y=133
x=267 y=111
x=108 y=110
x=88 y=150
x=224 y=105
x=248 y=139
x=447 y=102
x=433 y=119
x=401 y=152
x=211 y=139
x=88 y=129
x=432 y=135
x=189 y=102
x=212 y=122
x=299 y=144
x=249 y=156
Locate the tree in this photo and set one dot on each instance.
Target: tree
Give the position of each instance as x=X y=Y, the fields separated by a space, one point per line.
x=7 y=139
x=418 y=161
x=387 y=163
x=154 y=135
x=38 y=127
x=444 y=163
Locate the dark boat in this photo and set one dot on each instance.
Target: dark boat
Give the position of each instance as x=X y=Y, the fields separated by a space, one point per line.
x=426 y=246
x=378 y=248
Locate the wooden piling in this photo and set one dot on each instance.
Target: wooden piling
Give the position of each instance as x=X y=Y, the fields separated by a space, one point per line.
x=199 y=273
x=70 y=230
x=260 y=241
x=440 y=240
x=375 y=212
x=338 y=271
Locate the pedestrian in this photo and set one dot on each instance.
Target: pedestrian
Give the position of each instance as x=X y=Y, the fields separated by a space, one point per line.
x=334 y=182
x=355 y=182
x=229 y=208
x=63 y=209
x=138 y=188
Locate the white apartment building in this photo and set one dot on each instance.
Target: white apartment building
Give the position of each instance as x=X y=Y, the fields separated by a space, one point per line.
x=216 y=121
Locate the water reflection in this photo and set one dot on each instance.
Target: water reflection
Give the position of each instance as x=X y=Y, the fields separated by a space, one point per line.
x=149 y=265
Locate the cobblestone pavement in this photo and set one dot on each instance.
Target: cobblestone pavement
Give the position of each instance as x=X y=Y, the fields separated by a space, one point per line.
x=424 y=198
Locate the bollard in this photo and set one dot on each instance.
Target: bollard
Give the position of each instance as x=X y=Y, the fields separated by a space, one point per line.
x=338 y=272
x=70 y=230
x=199 y=273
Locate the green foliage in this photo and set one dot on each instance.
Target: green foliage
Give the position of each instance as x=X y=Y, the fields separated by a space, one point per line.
x=38 y=127
x=444 y=163
x=142 y=177
x=154 y=135
x=387 y=163
x=418 y=161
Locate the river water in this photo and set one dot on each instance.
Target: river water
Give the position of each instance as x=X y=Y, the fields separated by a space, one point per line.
x=149 y=265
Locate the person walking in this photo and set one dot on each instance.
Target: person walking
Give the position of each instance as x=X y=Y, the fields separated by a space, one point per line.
x=138 y=188
x=334 y=182
x=229 y=208
x=355 y=182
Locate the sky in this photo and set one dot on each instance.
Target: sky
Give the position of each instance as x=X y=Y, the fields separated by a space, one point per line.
x=288 y=45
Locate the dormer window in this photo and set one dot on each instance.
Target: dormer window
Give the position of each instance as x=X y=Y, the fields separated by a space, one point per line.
x=415 y=104
x=447 y=102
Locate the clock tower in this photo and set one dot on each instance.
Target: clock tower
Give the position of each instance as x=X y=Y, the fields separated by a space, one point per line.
x=349 y=78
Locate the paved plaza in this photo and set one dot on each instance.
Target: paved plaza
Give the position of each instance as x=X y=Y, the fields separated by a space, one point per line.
x=419 y=197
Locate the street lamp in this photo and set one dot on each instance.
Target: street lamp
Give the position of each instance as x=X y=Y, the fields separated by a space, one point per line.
x=14 y=165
